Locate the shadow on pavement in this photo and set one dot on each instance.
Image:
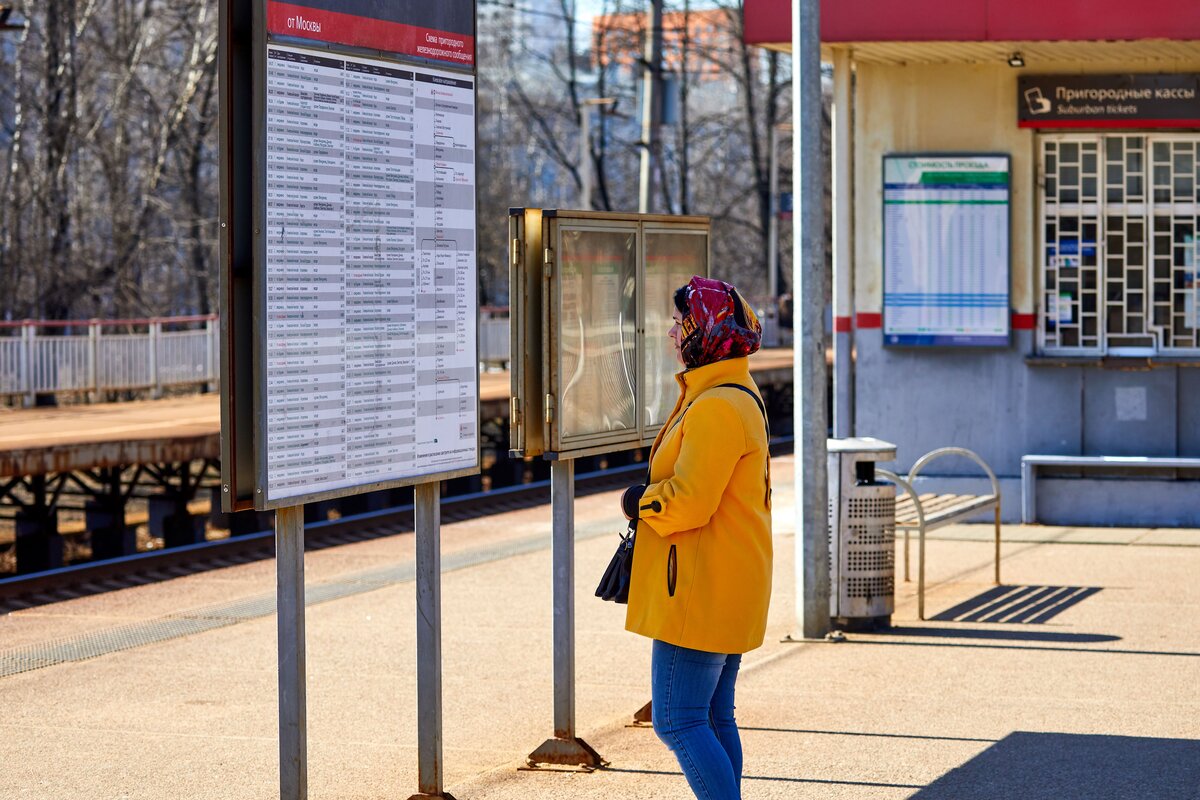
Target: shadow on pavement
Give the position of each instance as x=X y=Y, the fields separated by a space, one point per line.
x=862 y=733
x=1027 y=605
x=1054 y=766
x=1004 y=635
x=769 y=778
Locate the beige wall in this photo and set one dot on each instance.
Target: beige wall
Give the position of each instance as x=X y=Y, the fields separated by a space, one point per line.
x=950 y=108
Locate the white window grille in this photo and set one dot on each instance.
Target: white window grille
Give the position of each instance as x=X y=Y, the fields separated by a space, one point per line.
x=1118 y=244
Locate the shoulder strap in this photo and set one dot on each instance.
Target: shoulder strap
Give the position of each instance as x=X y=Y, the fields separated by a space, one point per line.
x=757 y=401
x=767 y=423
x=762 y=409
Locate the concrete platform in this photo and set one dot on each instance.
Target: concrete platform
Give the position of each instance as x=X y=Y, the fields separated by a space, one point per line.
x=173 y=692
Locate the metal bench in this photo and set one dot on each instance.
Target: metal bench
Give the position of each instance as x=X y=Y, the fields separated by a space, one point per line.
x=1029 y=465
x=927 y=512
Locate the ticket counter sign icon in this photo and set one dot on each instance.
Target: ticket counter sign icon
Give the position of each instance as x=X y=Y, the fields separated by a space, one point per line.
x=1037 y=102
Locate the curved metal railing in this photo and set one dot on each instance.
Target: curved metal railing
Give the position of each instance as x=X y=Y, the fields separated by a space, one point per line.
x=906 y=483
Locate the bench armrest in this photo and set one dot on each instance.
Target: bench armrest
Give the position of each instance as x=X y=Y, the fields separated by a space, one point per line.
x=941 y=452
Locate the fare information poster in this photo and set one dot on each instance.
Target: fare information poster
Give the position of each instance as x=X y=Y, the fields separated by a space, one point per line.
x=370 y=349
x=946 y=250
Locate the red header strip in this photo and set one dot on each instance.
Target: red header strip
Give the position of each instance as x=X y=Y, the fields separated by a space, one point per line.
x=1123 y=124
x=1023 y=322
x=331 y=27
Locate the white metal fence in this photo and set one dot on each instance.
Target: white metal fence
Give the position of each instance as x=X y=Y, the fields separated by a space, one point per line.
x=494 y=344
x=38 y=357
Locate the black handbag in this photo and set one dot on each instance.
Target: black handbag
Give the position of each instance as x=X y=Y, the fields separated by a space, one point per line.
x=614 y=584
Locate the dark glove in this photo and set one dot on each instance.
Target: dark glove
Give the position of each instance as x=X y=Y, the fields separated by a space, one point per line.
x=630 y=499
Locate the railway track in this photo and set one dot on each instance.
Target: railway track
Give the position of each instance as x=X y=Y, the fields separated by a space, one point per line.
x=93 y=577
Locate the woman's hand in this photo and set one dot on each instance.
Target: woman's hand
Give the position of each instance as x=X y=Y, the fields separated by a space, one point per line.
x=630 y=499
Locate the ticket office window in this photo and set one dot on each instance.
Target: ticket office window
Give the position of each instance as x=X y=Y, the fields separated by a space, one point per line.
x=1118 y=244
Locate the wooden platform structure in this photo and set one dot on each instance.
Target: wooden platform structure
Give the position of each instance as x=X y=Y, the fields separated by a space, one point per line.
x=40 y=441
x=92 y=460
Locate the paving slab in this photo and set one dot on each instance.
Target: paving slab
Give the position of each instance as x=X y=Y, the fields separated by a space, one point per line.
x=1095 y=699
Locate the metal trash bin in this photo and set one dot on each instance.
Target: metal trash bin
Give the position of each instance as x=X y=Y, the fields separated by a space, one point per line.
x=862 y=535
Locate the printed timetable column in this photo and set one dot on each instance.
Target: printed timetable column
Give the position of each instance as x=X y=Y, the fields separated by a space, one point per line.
x=305 y=381
x=381 y=350
x=446 y=298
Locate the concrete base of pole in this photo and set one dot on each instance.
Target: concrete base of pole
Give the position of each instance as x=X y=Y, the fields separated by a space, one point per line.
x=573 y=752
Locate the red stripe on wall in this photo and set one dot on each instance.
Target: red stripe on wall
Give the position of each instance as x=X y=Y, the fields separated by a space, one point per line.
x=1111 y=123
x=285 y=19
x=843 y=324
x=866 y=321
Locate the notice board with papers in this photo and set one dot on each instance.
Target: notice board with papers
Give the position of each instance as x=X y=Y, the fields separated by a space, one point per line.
x=946 y=253
x=355 y=299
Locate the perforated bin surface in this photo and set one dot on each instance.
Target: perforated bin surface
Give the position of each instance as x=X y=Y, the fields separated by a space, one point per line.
x=865 y=552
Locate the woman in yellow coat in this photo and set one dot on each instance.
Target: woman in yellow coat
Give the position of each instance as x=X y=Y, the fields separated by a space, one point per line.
x=701 y=578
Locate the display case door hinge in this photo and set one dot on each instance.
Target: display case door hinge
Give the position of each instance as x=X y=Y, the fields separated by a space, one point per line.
x=549 y=408
x=548 y=262
x=516 y=252
x=514 y=412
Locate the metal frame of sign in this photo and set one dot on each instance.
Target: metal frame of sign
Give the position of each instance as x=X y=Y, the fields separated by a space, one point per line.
x=525 y=303
x=951 y=340
x=243 y=323
x=536 y=301
x=558 y=443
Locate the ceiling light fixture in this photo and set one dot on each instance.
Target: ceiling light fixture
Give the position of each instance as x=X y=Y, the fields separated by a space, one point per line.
x=1016 y=60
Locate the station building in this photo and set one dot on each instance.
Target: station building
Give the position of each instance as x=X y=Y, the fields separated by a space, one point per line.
x=1094 y=106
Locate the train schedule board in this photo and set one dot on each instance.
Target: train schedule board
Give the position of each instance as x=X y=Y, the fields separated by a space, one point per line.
x=592 y=294
x=946 y=256
x=364 y=317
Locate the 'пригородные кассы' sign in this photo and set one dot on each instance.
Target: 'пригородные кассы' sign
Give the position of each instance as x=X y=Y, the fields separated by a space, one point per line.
x=1109 y=101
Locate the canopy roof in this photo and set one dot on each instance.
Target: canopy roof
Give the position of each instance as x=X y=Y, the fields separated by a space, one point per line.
x=998 y=23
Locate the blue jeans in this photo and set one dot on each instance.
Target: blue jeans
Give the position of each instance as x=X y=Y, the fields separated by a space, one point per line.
x=692 y=708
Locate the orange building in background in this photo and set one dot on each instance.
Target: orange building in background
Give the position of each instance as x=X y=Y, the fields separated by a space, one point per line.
x=707 y=37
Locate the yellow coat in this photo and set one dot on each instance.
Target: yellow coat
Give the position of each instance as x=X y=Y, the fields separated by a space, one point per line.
x=702 y=561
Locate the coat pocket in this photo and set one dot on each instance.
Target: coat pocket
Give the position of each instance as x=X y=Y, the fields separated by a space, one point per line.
x=672 y=571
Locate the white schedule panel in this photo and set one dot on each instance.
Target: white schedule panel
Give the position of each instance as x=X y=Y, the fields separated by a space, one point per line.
x=371 y=363
x=946 y=250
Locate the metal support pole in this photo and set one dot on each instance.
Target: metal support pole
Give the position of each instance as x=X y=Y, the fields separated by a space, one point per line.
x=293 y=713
x=565 y=747
x=651 y=89
x=1028 y=493
x=427 y=513
x=155 y=378
x=812 y=536
x=27 y=360
x=93 y=361
x=843 y=260
x=773 y=241
x=562 y=499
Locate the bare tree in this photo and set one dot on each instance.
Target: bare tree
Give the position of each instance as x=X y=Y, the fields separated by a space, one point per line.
x=110 y=163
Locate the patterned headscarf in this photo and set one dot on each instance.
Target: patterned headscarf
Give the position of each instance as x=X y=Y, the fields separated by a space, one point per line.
x=717 y=323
